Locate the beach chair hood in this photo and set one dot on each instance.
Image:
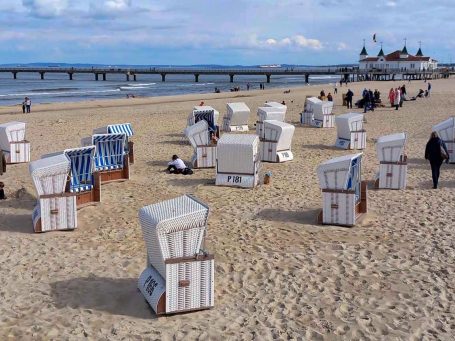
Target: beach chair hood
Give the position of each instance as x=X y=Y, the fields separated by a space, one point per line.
x=391 y=147
x=336 y=173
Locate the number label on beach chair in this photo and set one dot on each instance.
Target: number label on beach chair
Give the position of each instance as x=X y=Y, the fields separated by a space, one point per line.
x=234 y=179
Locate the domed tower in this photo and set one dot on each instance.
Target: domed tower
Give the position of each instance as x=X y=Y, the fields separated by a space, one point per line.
x=419 y=53
x=404 y=53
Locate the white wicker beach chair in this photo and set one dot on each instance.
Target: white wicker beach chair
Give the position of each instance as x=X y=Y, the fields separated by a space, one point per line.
x=236 y=118
x=318 y=113
x=276 y=141
x=344 y=194
x=446 y=131
x=393 y=164
x=121 y=128
x=55 y=209
x=204 y=151
x=180 y=275
x=238 y=160
x=351 y=134
x=268 y=113
x=13 y=143
x=280 y=107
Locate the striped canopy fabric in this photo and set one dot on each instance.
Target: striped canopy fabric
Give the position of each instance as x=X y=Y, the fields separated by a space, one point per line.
x=208 y=116
x=82 y=167
x=109 y=151
x=124 y=128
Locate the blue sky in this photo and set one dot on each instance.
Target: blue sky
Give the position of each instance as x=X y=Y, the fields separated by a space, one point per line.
x=226 y=32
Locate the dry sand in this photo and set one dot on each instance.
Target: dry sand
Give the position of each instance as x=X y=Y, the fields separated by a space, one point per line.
x=278 y=274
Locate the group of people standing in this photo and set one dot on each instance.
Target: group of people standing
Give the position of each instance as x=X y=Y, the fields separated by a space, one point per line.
x=26 y=105
x=397 y=96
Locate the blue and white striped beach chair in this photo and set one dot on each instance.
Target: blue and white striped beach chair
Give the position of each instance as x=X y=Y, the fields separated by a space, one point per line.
x=84 y=181
x=122 y=128
x=110 y=158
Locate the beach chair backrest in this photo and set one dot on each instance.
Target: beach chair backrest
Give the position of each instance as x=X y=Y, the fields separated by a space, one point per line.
x=124 y=128
x=237 y=154
x=279 y=132
x=390 y=148
x=340 y=173
x=11 y=132
x=446 y=130
x=82 y=168
x=198 y=134
x=238 y=113
x=173 y=228
x=50 y=174
x=109 y=152
x=347 y=123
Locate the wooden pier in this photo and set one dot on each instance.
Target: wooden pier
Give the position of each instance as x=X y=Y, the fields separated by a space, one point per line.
x=349 y=74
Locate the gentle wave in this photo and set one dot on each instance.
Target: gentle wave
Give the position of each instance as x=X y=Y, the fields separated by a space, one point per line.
x=139 y=85
x=59 y=93
x=52 y=89
x=133 y=87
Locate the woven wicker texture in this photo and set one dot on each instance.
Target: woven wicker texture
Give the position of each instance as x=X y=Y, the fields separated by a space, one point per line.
x=173 y=228
x=237 y=153
x=198 y=134
x=50 y=174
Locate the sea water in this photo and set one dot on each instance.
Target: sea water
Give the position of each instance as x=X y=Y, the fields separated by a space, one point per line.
x=56 y=87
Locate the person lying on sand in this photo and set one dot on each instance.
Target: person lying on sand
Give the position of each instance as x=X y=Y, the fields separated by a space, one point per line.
x=177 y=166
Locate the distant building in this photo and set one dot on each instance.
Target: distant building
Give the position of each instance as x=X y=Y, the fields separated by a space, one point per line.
x=398 y=60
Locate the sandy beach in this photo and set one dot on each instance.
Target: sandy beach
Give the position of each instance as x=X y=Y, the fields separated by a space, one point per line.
x=278 y=275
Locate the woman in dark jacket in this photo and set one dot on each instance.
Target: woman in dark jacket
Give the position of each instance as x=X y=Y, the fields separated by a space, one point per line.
x=434 y=154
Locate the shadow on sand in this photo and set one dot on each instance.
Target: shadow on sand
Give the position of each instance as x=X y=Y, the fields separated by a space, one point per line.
x=300 y=217
x=118 y=296
x=321 y=147
x=183 y=180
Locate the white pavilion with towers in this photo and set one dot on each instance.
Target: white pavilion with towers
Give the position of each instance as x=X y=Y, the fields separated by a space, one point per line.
x=397 y=60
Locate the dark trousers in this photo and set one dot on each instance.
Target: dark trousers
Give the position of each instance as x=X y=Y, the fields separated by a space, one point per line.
x=28 y=108
x=349 y=102
x=23 y=108
x=435 y=169
x=174 y=170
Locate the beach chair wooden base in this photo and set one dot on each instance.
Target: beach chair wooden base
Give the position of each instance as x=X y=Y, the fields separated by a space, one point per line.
x=19 y=153
x=131 y=151
x=204 y=157
x=188 y=286
x=328 y=121
x=122 y=174
x=55 y=212
x=391 y=175
x=92 y=197
x=340 y=208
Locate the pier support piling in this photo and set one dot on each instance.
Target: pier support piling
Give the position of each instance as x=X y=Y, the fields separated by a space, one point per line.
x=14 y=75
x=70 y=74
x=42 y=75
x=127 y=77
x=96 y=76
x=307 y=78
x=163 y=77
x=104 y=76
x=196 y=78
x=268 y=78
x=231 y=77
x=134 y=77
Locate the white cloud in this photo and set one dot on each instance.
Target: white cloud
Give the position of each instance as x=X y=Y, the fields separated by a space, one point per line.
x=342 y=46
x=304 y=42
x=391 y=3
x=271 y=41
x=45 y=8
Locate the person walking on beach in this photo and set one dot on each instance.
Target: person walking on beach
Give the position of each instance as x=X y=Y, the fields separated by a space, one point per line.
x=23 y=106
x=397 y=98
x=28 y=104
x=392 y=97
x=335 y=89
x=436 y=152
x=429 y=89
x=349 y=96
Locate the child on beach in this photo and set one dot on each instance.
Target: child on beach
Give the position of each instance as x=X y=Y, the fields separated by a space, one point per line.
x=177 y=166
